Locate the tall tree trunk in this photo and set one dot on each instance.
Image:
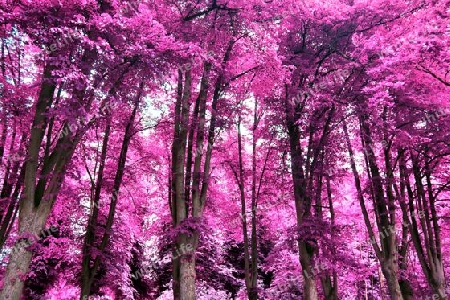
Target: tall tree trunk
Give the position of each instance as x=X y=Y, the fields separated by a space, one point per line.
x=240 y=180
x=184 y=265
x=386 y=213
x=179 y=205
x=330 y=283
x=8 y=172
x=429 y=257
x=438 y=274
x=253 y=292
x=11 y=213
x=404 y=284
x=32 y=218
x=387 y=254
x=3 y=135
x=33 y=212
x=302 y=203
x=89 y=272
x=89 y=237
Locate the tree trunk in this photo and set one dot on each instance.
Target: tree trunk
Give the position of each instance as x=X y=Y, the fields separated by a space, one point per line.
x=89 y=237
x=253 y=292
x=184 y=278
x=188 y=274
x=20 y=258
x=89 y=272
x=406 y=289
x=184 y=267
x=302 y=204
x=430 y=257
x=179 y=205
x=387 y=253
x=330 y=283
x=13 y=167
x=32 y=217
x=3 y=135
x=390 y=270
x=240 y=180
x=11 y=213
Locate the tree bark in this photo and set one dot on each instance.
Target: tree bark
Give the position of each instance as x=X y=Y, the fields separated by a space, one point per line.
x=3 y=135
x=404 y=284
x=89 y=237
x=430 y=261
x=387 y=253
x=89 y=271
x=253 y=291
x=302 y=203
x=32 y=217
x=184 y=275
x=240 y=180
x=179 y=206
x=188 y=277
x=330 y=283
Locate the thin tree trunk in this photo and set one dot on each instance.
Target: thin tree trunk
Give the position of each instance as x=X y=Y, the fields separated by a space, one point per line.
x=404 y=284
x=240 y=180
x=197 y=126
x=7 y=186
x=380 y=277
x=302 y=203
x=386 y=214
x=430 y=262
x=387 y=255
x=3 y=137
x=330 y=283
x=11 y=213
x=253 y=292
x=87 y=282
x=3 y=68
x=89 y=238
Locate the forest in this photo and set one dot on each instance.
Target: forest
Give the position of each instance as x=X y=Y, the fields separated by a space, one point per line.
x=224 y=149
